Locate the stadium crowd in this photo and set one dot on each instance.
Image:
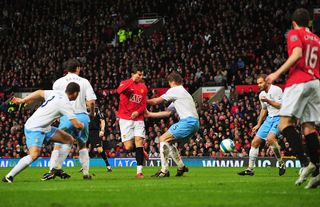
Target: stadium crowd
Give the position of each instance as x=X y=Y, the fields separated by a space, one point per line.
x=206 y=41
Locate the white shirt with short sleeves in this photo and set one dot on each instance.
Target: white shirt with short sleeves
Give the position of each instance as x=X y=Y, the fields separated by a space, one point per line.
x=182 y=101
x=86 y=91
x=56 y=104
x=274 y=94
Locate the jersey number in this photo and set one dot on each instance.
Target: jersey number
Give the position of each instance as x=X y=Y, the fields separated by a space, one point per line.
x=311 y=56
x=46 y=102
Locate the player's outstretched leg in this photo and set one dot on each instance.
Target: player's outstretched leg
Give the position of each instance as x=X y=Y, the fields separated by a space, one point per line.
x=276 y=150
x=164 y=155
x=104 y=156
x=23 y=163
x=56 y=163
x=253 y=154
x=314 y=150
x=174 y=153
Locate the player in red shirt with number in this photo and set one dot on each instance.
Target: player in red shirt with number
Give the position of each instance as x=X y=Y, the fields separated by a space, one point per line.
x=133 y=101
x=301 y=97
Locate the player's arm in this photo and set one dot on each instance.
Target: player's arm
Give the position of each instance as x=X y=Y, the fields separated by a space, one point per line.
x=30 y=98
x=65 y=109
x=155 y=101
x=294 y=57
x=91 y=104
x=102 y=127
x=76 y=123
x=275 y=104
x=124 y=85
x=263 y=114
x=159 y=114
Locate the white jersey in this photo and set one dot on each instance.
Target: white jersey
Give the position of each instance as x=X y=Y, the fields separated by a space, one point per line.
x=86 y=91
x=56 y=104
x=274 y=94
x=182 y=101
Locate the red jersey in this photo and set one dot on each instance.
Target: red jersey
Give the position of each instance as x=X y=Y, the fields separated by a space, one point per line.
x=133 y=97
x=307 y=68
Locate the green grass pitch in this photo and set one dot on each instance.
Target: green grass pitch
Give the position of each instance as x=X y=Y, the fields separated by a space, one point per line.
x=203 y=187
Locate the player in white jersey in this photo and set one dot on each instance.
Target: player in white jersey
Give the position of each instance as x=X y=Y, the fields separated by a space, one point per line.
x=181 y=102
x=270 y=99
x=38 y=127
x=86 y=98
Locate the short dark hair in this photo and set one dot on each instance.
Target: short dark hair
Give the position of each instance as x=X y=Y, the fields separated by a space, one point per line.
x=264 y=76
x=71 y=65
x=72 y=88
x=137 y=68
x=301 y=16
x=175 y=76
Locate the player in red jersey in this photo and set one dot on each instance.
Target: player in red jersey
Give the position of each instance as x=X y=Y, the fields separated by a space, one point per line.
x=301 y=98
x=133 y=97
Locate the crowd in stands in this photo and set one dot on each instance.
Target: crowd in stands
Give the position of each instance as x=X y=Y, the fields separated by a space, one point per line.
x=209 y=42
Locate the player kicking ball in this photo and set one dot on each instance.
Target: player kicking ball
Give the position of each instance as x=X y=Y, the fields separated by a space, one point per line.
x=38 y=127
x=270 y=99
x=181 y=102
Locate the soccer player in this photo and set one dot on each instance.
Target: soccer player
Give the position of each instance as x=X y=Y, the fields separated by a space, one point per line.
x=181 y=102
x=133 y=96
x=270 y=99
x=301 y=97
x=96 y=131
x=86 y=98
x=38 y=127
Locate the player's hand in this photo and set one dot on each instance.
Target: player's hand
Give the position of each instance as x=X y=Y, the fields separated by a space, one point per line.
x=255 y=128
x=16 y=100
x=136 y=77
x=272 y=77
x=146 y=113
x=134 y=115
x=264 y=99
x=101 y=133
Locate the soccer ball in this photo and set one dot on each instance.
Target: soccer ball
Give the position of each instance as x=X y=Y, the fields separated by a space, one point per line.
x=227 y=145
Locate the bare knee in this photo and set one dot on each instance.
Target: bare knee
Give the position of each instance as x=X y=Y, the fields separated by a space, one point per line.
x=271 y=139
x=285 y=122
x=256 y=142
x=138 y=141
x=99 y=149
x=128 y=145
x=166 y=137
x=308 y=128
x=34 y=152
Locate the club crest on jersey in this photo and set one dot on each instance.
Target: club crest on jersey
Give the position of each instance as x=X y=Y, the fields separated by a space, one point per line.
x=141 y=90
x=293 y=38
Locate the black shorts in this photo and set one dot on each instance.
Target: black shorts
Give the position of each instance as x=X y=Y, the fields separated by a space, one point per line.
x=94 y=139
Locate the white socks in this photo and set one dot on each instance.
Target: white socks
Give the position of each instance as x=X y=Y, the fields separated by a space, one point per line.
x=174 y=153
x=139 y=169
x=63 y=154
x=53 y=158
x=58 y=156
x=167 y=149
x=253 y=154
x=164 y=155
x=276 y=150
x=84 y=160
x=22 y=164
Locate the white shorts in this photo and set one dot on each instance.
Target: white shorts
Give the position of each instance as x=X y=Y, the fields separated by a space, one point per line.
x=302 y=101
x=130 y=129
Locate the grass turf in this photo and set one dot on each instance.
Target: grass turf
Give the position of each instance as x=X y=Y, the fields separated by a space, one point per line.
x=200 y=187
